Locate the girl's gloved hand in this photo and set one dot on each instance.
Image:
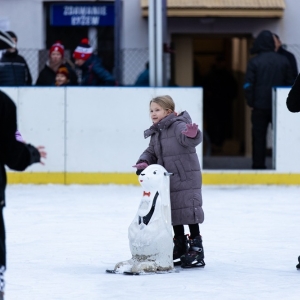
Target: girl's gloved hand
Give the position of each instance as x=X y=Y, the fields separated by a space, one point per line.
x=140 y=167
x=191 y=130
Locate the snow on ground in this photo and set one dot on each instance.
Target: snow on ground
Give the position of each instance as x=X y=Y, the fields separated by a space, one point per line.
x=61 y=239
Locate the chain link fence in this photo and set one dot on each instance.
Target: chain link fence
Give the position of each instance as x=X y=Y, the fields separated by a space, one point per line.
x=133 y=61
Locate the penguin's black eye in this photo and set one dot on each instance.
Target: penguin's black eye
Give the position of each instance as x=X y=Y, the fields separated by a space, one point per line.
x=154 y=172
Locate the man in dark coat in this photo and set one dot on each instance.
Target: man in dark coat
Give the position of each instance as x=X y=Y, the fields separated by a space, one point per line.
x=264 y=71
x=14 y=70
x=290 y=56
x=220 y=89
x=93 y=72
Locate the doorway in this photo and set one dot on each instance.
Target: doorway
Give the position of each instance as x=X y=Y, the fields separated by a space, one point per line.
x=218 y=64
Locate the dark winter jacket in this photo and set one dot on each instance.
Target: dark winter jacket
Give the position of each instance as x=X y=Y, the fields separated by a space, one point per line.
x=293 y=99
x=143 y=79
x=14 y=154
x=177 y=153
x=291 y=58
x=47 y=76
x=264 y=71
x=94 y=74
x=14 y=70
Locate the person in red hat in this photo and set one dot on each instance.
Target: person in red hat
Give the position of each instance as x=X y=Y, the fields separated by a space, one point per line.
x=62 y=76
x=92 y=70
x=47 y=75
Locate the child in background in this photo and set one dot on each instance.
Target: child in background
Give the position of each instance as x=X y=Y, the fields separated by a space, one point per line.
x=62 y=76
x=172 y=145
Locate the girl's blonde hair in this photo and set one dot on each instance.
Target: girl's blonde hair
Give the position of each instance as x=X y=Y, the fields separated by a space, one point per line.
x=166 y=102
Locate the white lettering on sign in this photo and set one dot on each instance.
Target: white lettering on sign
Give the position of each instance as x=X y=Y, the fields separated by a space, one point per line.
x=85 y=20
x=84 y=10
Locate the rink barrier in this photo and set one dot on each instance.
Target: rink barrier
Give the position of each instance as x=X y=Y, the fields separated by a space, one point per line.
x=91 y=136
x=132 y=178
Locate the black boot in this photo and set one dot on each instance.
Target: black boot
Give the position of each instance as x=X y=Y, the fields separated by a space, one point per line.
x=180 y=248
x=298 y=266
x=195 y=254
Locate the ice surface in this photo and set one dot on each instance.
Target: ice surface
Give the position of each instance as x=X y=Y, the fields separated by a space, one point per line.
x=61 y=239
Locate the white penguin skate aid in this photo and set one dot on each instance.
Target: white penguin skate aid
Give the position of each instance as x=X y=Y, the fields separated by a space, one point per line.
x=150 y=233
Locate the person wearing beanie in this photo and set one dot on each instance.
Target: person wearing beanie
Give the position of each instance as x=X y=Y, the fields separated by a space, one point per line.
x=93 y=72
x=14 y=70
x=62 y=76
x=264 y=71
x=47 y=76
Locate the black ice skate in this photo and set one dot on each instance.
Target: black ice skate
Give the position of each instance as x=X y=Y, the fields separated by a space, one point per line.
x=298 y=266
x=180 y=248
x=195 y=254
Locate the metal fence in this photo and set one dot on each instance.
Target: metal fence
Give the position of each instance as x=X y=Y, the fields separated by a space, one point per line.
x=132 y=61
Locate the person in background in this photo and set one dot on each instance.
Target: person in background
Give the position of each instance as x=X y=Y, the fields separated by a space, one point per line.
x=293 y=105
x=14 y=70
x=93 y=72
x=62 y=76
x=219 y=89
x=15 y=154
x=56 y=59
x=143 y=78
x=264 y=71
x=173 y=145
x=290 y=56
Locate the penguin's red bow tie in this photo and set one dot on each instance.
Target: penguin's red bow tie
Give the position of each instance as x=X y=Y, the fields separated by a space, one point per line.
x=146 y=194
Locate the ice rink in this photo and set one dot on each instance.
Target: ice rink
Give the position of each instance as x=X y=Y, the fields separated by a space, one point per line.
x=61 y=239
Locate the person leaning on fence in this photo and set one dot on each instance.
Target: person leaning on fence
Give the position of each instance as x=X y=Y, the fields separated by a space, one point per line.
x=14 y=70
x=290 y=56
x=56 y=59
x=93 y=72
x=143 y=78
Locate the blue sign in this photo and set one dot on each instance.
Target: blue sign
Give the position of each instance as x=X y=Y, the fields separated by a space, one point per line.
x=87 y=14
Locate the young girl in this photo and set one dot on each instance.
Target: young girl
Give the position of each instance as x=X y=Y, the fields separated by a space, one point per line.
x=172 y=145
x=62 y=76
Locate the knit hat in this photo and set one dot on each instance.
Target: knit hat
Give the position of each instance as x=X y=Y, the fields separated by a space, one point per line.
x=83 y=50
x=12 y=34
x=63 y=70
x=57 y=46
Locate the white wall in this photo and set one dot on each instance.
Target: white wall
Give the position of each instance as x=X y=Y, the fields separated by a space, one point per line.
x=287 y=136
x=93 y=129
x=25 y=18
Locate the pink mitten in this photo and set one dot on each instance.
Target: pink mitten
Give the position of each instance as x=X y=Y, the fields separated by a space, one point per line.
x=191 y=130
x=141 y=166
x=19 y=136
